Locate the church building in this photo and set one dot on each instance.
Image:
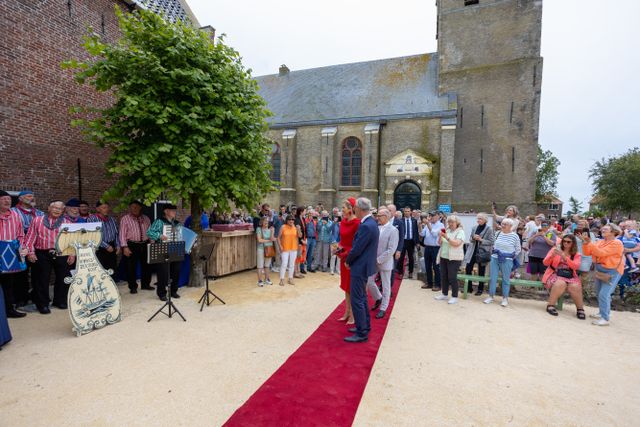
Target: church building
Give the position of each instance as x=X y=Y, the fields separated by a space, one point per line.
x=453 y=129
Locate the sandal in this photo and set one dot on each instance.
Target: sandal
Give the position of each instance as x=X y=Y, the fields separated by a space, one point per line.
x=551 y=309
x=580 y=314
x=281 y=283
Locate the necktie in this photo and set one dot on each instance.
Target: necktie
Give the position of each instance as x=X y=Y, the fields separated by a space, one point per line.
x=408 y=227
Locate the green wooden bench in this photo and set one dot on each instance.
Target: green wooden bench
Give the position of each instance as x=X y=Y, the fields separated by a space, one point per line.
x=518 y=282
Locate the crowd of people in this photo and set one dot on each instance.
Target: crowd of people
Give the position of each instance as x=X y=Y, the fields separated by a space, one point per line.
x=35 y=234
x=558 y=253
x=294 y=241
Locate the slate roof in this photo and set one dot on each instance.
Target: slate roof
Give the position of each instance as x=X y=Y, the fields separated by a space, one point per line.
x=172 y=10
x=386 y=88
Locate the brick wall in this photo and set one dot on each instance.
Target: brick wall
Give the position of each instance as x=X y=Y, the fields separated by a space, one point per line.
x=38 y=147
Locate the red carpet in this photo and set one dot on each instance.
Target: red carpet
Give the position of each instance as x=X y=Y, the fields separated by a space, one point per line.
x=322 y=382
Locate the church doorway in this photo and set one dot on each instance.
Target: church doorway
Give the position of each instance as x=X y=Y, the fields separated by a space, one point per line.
x=407 y=193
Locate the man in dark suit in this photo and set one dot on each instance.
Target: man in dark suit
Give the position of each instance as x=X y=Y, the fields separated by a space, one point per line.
x=410 y=236
x=399 y=225
x=361 y=262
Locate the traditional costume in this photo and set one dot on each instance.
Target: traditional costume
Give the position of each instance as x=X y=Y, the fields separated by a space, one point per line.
x=170 y=271
x=133 y=236
x=109 y=260
x=27 y=212
x=41 y=242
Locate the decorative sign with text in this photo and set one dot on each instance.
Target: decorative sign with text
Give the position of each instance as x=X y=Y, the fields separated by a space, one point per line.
x=93 y=299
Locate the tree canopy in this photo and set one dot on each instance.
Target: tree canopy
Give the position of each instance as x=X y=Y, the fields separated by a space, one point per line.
x=546 y=174
x=575 y=206
x=187 y=121
x=616 y=181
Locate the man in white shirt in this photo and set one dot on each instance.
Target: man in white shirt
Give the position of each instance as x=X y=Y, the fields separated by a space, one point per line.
x=430 y=234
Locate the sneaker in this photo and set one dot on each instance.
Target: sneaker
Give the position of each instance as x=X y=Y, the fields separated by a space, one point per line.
x=634 y=270
x=453 y=300
x=260 y=283
x=268 y=282
x=333 y=273
x=595 y=316
x=505 y=302
x=440 y=297
x=600 y=322
x=488 y=300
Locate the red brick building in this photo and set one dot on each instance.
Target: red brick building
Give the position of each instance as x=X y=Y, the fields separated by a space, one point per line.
x=39 y=149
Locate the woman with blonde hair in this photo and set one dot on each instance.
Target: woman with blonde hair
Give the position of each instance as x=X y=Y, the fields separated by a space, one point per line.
x=609 y=266
x=265 y=238
x=451 y=254
x=348 y=227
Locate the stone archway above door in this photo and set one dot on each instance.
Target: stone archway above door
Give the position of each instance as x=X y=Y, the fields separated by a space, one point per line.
x=408 y=165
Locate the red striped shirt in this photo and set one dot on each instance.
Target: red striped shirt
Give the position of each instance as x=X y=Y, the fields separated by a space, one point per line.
x=41 y=237
x=134 y=229
x=11 y=227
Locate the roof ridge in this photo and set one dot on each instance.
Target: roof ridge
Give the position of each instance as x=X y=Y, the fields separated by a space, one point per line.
x=352 y=63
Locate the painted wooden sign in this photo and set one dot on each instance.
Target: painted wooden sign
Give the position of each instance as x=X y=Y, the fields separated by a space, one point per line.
x=93 y=299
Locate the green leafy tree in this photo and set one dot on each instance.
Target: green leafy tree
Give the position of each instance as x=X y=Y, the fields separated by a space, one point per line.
x=546 y=174
x=186 y=123
x=616 y=181
x=575 y=205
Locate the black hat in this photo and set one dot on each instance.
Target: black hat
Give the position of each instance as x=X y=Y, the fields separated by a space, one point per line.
x=4 y=193
x=83 y=202
x=169 y=206
x=100 y=203
x=73 y=203
x=135 y=202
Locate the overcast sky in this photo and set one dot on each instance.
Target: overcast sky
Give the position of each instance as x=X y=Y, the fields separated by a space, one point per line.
x=590 y=82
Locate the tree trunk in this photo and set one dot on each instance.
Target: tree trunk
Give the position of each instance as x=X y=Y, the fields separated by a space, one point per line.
x=196 y=275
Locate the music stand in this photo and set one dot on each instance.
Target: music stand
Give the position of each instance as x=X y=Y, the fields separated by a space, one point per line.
x=164 y=253
x=206 y=250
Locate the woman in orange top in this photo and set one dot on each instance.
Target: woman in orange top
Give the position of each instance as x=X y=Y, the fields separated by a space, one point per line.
x=288 y=240
x=348 y=227
x=608 y=258
x=561 y=262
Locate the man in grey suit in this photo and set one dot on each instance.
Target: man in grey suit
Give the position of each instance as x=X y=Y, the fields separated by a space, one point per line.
x=385 y=260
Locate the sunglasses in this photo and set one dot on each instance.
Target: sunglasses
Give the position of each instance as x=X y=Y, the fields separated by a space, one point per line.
x=567 y=241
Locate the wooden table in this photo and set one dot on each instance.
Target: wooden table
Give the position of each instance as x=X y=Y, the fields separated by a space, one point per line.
x=233 y=251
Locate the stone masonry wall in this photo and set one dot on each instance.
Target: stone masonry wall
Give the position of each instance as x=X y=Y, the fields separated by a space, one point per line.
x=308 y=167
x=490 y=57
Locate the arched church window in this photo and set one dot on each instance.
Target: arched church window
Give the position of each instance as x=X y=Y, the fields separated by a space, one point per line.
x=275 y=162
x=351 y=162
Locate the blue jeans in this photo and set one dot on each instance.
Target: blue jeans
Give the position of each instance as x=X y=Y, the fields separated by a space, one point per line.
x=504 y=268
x=311 y=246
x=605 y=290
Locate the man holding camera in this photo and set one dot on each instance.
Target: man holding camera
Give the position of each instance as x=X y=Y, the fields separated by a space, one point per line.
x=430 y=232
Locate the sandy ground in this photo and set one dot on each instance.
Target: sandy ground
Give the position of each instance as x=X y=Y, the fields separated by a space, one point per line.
x=166 y=372
x=473 y=364
x=468 y=364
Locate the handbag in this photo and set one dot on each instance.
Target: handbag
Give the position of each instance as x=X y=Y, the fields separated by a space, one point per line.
x=483 y=256
x=602 y=276
x=269 y=251
x=564 y=272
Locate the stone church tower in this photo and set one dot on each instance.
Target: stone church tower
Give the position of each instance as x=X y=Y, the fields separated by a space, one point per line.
x=489 y=56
